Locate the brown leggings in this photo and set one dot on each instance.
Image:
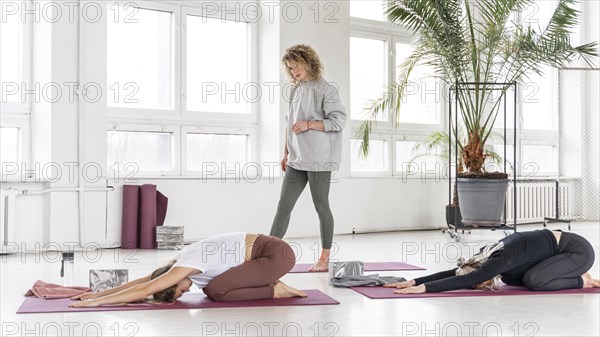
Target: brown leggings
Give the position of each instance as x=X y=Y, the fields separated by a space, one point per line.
x=271 y=258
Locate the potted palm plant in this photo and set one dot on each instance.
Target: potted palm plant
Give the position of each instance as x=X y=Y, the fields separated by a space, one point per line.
x=436 y=144
x=476 y=42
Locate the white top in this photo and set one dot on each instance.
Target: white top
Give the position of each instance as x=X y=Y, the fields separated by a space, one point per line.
x=213 y=256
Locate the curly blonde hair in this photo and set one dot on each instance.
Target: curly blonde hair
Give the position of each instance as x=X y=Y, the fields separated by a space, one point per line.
x=303 y=54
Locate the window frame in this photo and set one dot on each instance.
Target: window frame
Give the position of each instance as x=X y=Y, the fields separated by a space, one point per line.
x=120 y=112
x=252 y=36
x=361 y=27
x=252 y=146
x=389 y=130
x=369 y=174
x=18 y=114
x=129 y=127
x=408 y=138
x=178 y=120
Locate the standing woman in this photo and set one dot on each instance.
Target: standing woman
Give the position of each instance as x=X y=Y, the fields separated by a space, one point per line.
x=313 y=143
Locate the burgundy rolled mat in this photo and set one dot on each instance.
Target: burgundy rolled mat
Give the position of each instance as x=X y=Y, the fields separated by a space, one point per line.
x=382 y=292
x=369 y=266
x=33 y=305
x=144 y=208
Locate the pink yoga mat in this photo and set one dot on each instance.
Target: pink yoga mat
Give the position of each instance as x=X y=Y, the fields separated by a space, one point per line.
x=382 y=292
x=369 y=266
x=187 y=301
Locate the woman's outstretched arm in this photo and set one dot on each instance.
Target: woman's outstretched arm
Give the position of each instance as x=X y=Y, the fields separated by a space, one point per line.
x=140 y=291
x=418 y=281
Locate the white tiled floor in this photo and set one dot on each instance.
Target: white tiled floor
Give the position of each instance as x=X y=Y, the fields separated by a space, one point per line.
x=565 y=315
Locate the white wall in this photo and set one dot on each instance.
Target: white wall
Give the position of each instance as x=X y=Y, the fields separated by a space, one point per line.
x=212 y=207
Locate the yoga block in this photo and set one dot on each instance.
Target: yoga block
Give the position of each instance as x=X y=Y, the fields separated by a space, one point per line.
x=169 y=230
x=169 y=245
x=103 y=279
x=169 y=237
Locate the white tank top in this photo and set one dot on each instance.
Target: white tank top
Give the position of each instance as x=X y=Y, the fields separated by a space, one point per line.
x=213 y=256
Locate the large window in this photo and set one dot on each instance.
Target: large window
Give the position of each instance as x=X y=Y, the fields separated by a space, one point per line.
x=218 y=77
x=15 y=81
x=177 y=71
x=423 y=107
x=377 y=50
x=140 y=59
x=368 y=68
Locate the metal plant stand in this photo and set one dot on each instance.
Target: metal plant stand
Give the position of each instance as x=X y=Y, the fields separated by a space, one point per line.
x=453 y=97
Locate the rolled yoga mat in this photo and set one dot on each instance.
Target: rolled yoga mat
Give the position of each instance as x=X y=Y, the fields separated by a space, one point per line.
x=369 y=266
x=129 y=225
x=33 y=305
x=144 y=208
x=147 y=216
x=382 y=292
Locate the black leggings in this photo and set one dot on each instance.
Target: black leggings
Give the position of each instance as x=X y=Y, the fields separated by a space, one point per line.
x=562 y=271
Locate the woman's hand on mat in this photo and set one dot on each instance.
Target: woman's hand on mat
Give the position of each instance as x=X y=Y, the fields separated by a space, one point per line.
x=400 y=285
x=85 y=304
x=85 y=296
x=300 y=126
x=412 y=290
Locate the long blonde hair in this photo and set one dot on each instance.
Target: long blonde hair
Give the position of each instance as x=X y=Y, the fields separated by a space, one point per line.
x=464 y=268
x=303 y=54
x=166 y=295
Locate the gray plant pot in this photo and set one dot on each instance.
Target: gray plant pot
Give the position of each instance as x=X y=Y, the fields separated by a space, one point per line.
x=482 y=201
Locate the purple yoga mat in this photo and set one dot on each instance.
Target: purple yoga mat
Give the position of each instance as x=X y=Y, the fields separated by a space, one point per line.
x=144 y=208
x=369 y=266
x=147 y=216
x=33 y=305
x=129 y=224
x=382 y=292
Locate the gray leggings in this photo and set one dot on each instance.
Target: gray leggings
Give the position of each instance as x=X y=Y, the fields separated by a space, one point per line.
x=562 y=271
x=294 y=182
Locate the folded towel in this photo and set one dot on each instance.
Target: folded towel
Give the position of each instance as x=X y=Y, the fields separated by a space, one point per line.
x=41 y=289
x=372 y=280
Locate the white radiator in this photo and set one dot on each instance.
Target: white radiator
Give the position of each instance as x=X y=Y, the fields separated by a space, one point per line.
x=7 y=219
x=537 y=199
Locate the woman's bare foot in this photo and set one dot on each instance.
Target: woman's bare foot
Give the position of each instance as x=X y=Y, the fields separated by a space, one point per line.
x=323 y=263
x=282 y=290
x=589 y=282
x=320 y=266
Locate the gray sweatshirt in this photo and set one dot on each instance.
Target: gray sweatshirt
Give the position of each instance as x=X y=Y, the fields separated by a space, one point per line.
x=315 y=150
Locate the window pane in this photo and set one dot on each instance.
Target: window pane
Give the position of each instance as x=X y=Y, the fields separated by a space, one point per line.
x=376 y=161
x=11 y=57
x=510 y=111
x=370 y=9
x=423 y=93
x=492 y=166
x=537 y=14
x=538 y=102
x=409 y=160
x=367 y=74
x=148 y=151
x=539 y=160
x=216 y=149
x=217 y=66
x=139 y=59
x=9 y=146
